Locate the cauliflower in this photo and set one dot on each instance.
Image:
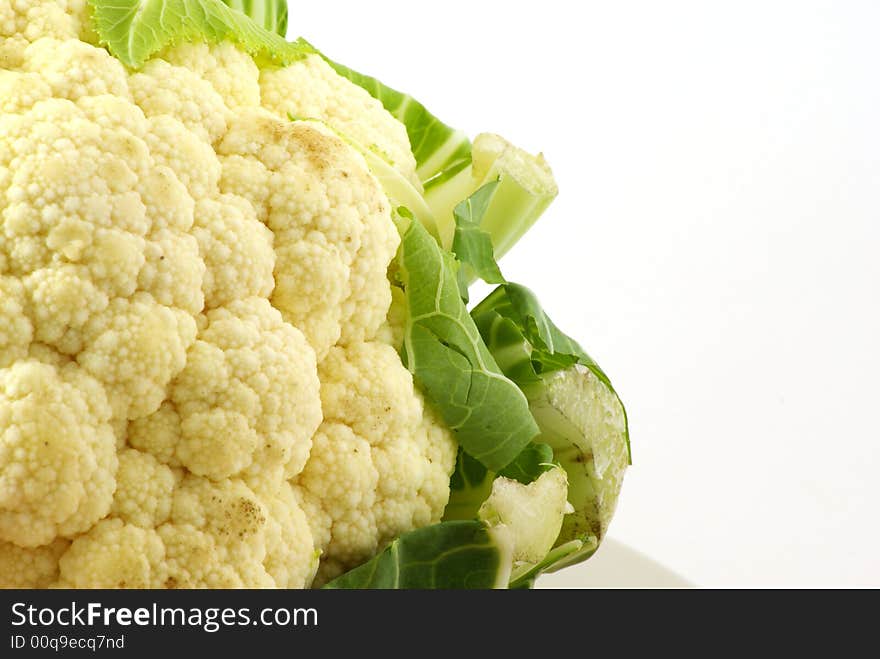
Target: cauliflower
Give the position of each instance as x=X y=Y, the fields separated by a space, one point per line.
x=192 y=288
x=234 y=345
x=380 y=460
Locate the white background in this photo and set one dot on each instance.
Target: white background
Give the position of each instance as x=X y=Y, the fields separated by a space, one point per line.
x=714 y=246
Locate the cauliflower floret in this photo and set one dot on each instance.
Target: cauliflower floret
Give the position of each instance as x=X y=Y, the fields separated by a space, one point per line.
x=218 y=535
x=334 y=236
x=74 y=69
x=232 y=73
x=33 y=19
x=311 y=89
x=162 y=88
x=53 y=483
x=248 y=400
x=291 y=558
x=192 y=160
x=228 y=524
x=340 y=482
x=144 y=487
x=63 y=299
x=136 y=347
x=192 y=560
x=380 y=465
x=157 y=434
x=170 y=260
x=32 y=567
x=67 y=175
x=24 y=21
x=114 y=554
x=16 y=330
x=20 y=91
x=77 y=231
x=237 y=249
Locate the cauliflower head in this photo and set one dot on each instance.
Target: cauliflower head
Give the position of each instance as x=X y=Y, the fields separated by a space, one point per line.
x=197 y=386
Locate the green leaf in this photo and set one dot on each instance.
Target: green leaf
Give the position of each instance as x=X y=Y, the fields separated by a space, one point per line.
x=469 y=487
x=540 y=347
x=440 y=151
x=269 y=14
x=135 y=30
x=533 y=461
x=472 y=246
x=580 y=415
x=525 y=575
x=449 y=361
x=451 y=555
x=526 y=188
